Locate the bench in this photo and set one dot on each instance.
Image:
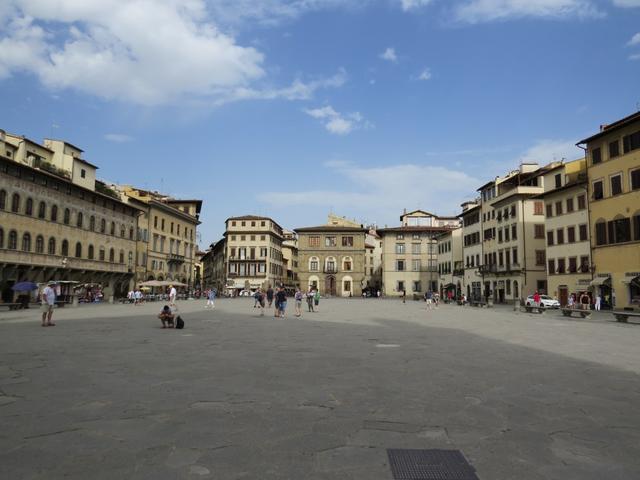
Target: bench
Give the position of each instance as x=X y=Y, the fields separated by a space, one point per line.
x=622 y=315
x=12 y=306
x=568 y=312
x=533 y=309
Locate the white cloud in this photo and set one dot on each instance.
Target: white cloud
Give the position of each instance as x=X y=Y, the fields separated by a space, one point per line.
x=389 y=55
x=337 y=123
x=413 y=4
x=546 y=151
x=635 y=40
x=425 y=74
x=635 y=56
x=475 y=11
x=626 y=3
x=118 y=137
x=401 y=186
x=148 y=52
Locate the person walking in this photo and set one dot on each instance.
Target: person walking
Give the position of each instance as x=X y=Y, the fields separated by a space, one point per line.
x=48 y=301
x=256 y=297
x=298 y=299
x=571 y=303
x=281 y=302
x=260 y=298
x=404 y=296
x=316 y=300
x=310 y=300
x=536 y=299
x=598 y=302
x=173 y=293
x=270 y=295
x=429 y=300
x=584 y=301
x=211 y=298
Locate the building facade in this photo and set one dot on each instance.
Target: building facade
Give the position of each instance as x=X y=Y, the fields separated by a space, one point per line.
x=410 y=255
x=613 y=174
x=290 y=260
x=373 y=261
x=331 y=259
x=253 y=253
x=472 y=249
x=450 y=264
x=58 y=223
x=566 y=230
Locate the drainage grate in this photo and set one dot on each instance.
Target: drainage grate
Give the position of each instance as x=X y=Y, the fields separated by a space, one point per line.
x=430 y=465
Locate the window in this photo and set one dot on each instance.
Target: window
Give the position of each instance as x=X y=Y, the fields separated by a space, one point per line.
x=549 y=210
x=78 y=250
x=513 y=210
x=400 y=236
x=171 y=228
x=112 y=255
x=15 y=203
x=415 y=248
x=12 y=243
x=416 y=236
x=538 y=208
x=500 y=236
x=121 y=256
x=400 y=265
x=347 y=264
x=130 y=233
x=65 y=248
x=500 y=258
x=582 y=231
x=514 y=232
x=416 y=286
x=596 y=156
x=558 y=208
x=162 y=224
x=551 y=268
x=26 y=242
x=155 y=222
x=540 y=257
x=538 y=230
x=42 y=210
x=506 y=234
x=400 y=286
x=3 y=199
x=514 y=255
x=52 y=246
x=90 y=252
x=619 y=230
x=314 y=265
x=598 y=191
x=347 y=241
x=569 y=205
x=101 y=255
x=560 y=236
x=39 y=244
x=558 y=180
x=571 y=234
x=112 y=231
x=550 y=238
x=79 y=220
x=614 y=149
x=573 y=264
x=631 y=142
x=601 y=232
x=83 y=173
x=330 y=241
x=415 y=265
x=400 y=248
x=584 y=264
x=616 y=185
x=582 y=202
x=561 y=266
x=67 y=216
x=28 y=208
x=634 y=180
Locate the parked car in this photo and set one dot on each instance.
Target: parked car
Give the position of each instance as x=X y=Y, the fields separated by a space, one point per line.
x=545 y=301
x=245 y=293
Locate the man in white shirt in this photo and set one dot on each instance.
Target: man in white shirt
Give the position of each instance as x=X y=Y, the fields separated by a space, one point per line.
x=172 y=295
x=48 y=301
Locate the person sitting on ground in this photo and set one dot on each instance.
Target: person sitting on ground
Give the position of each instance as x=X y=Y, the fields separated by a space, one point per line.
x=166 y=316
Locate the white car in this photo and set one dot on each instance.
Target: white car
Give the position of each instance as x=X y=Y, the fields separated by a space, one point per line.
x=545 y=301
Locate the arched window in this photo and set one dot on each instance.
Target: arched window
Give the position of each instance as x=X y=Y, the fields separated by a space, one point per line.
x=15 y=203
x=78 y=250
x=122 y=231
x=314 y=264
x=113 y=228
x=28 y=208
x=516 y=293
x=330 y=265
x=52 y=246
x=90 y=252
x=26 y=242
x=3 y=199
x=103 y=226
x=12 y=244
x=54 y=213
x=42 y=210
x=39 y=244
x=65 y=248
x=347 y=264
x=92 y=223
x=121 y=256
x=67 y=216
x=101 y=254
x=130 y=233
x=80 y=220
x=112 y=255
x=1 y=238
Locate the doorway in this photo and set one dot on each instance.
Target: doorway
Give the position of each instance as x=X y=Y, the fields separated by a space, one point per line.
x=330 y=286
x=563 y=295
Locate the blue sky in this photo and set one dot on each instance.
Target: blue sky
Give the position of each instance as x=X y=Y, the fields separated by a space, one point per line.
x=293 y=108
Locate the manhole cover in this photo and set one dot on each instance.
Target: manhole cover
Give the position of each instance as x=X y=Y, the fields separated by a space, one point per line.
x=430 y=465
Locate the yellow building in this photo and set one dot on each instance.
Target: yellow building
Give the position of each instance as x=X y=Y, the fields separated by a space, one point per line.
x=566 y=229
x=472 y=249
x=57 y=222
x=290 y=260
x=613 y=172
x=450 y=264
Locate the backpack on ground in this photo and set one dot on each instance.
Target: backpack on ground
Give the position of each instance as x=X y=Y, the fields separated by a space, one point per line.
x=179 y=323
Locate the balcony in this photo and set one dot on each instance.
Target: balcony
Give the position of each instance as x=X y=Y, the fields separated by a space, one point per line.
x=175 y=258
x=484 y=269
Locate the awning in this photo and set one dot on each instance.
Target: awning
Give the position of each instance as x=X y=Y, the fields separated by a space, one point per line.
x=596 y=282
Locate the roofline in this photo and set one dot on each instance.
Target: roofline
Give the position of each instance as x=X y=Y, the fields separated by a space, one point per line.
x=330 y=228
x=88 y=163
x=244 y=217
x=26 y=139
x=173 y=210
x=65 y=142
x=612 y=127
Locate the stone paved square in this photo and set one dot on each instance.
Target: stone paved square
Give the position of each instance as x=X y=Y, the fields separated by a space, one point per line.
x=108 y=394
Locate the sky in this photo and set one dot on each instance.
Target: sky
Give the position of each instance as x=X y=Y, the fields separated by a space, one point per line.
x=297 y=108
